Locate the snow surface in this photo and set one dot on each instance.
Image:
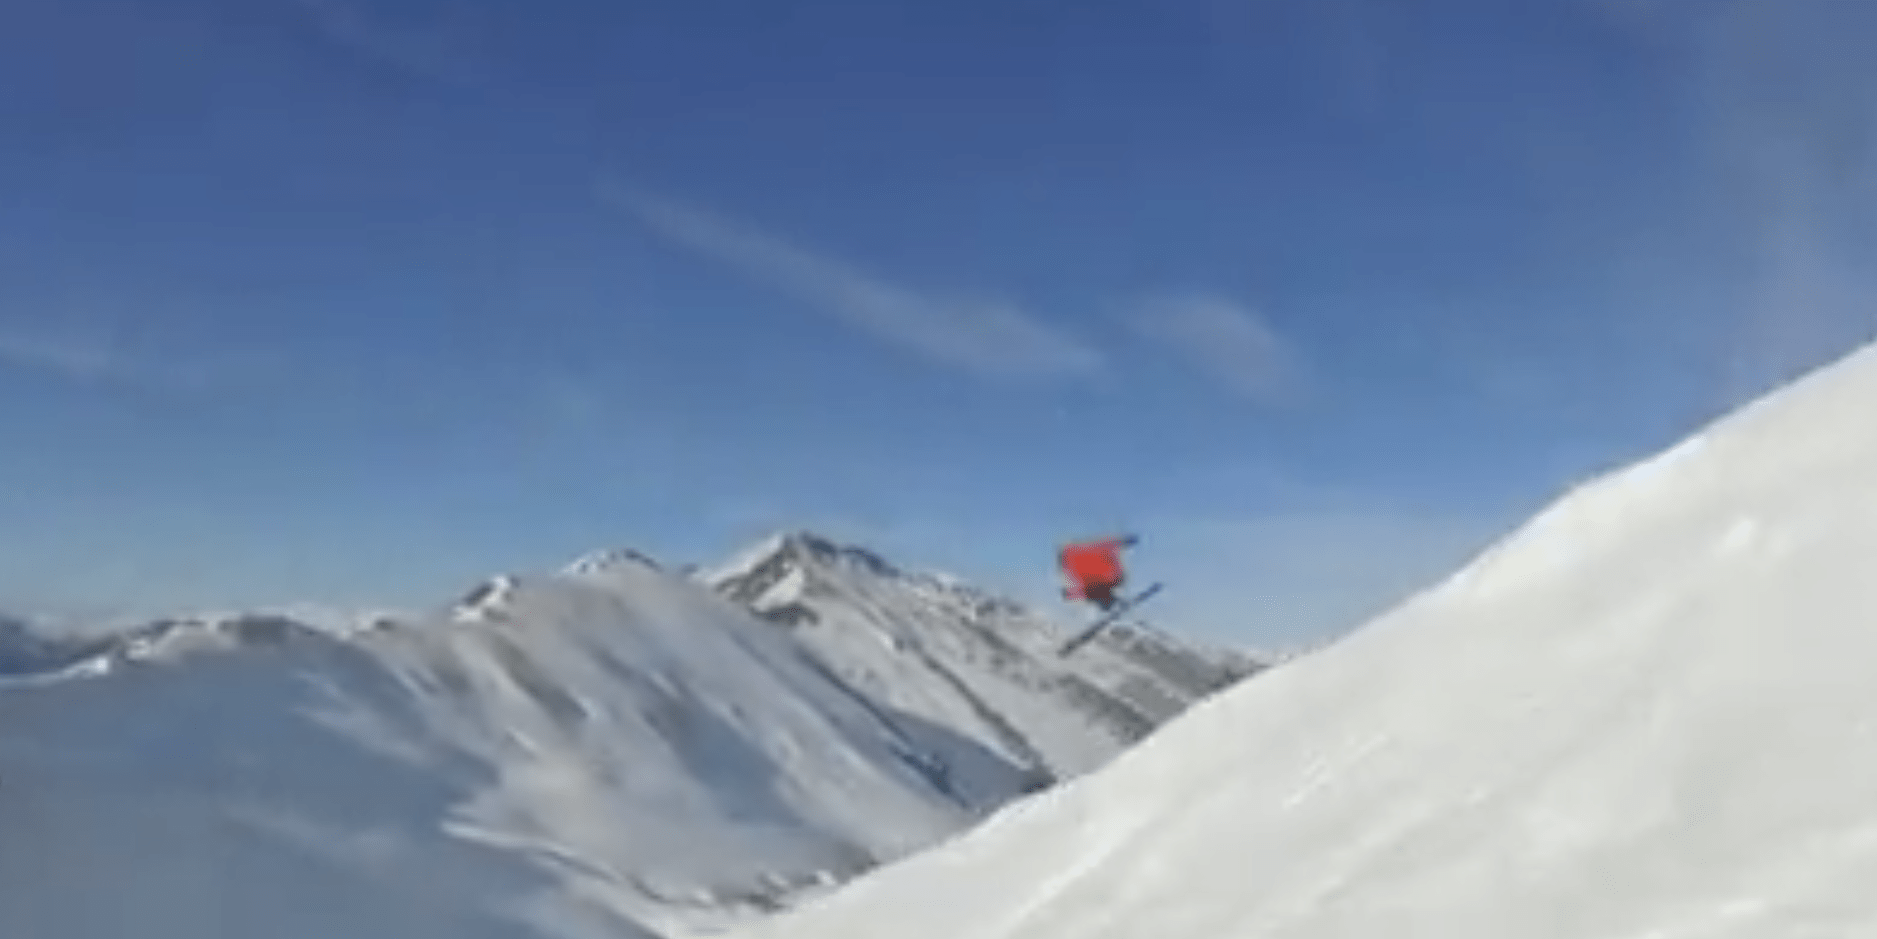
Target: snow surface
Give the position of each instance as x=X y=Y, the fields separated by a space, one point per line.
x=609 y=750
x=1649 y=714
x=168 y=803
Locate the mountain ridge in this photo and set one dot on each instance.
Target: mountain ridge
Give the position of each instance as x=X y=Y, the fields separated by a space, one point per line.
x=643 y=748
x=982 y=647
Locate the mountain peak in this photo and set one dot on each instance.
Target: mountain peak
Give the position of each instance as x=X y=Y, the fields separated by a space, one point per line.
x=791 y=553
x=898 y=634
x=606 y=560
x=486 y=601
x=804 y=545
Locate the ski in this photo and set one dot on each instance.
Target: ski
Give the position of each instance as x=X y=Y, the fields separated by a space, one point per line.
x=1107 y=619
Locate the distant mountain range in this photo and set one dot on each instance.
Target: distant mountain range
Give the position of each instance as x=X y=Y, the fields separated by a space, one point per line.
x=613 y=748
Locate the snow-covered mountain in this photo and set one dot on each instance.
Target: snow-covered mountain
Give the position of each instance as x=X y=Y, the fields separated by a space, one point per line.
x=974 y=665
x=32 y=653
x=1649 y=713
x=613 y=749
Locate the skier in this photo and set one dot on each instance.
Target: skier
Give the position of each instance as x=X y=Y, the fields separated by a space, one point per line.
x=1094 y=569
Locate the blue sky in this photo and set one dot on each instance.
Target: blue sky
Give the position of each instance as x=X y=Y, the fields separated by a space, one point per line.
x=359 y=300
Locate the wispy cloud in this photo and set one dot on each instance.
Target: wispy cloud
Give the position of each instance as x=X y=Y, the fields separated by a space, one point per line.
x=569 y=401
x=1783 y=102
x=1229 y=342
x=427 y=50
x=70 y=357
x=101 y=358
x=984 y=336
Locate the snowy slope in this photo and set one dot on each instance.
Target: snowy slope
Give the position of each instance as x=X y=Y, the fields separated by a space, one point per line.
x=204 y=800
x=1650 y=713
x=611 y=750
x=976 y=665
x=673 y=754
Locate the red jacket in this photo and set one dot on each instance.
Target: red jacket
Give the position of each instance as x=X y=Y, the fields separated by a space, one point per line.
x=1089 y=563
